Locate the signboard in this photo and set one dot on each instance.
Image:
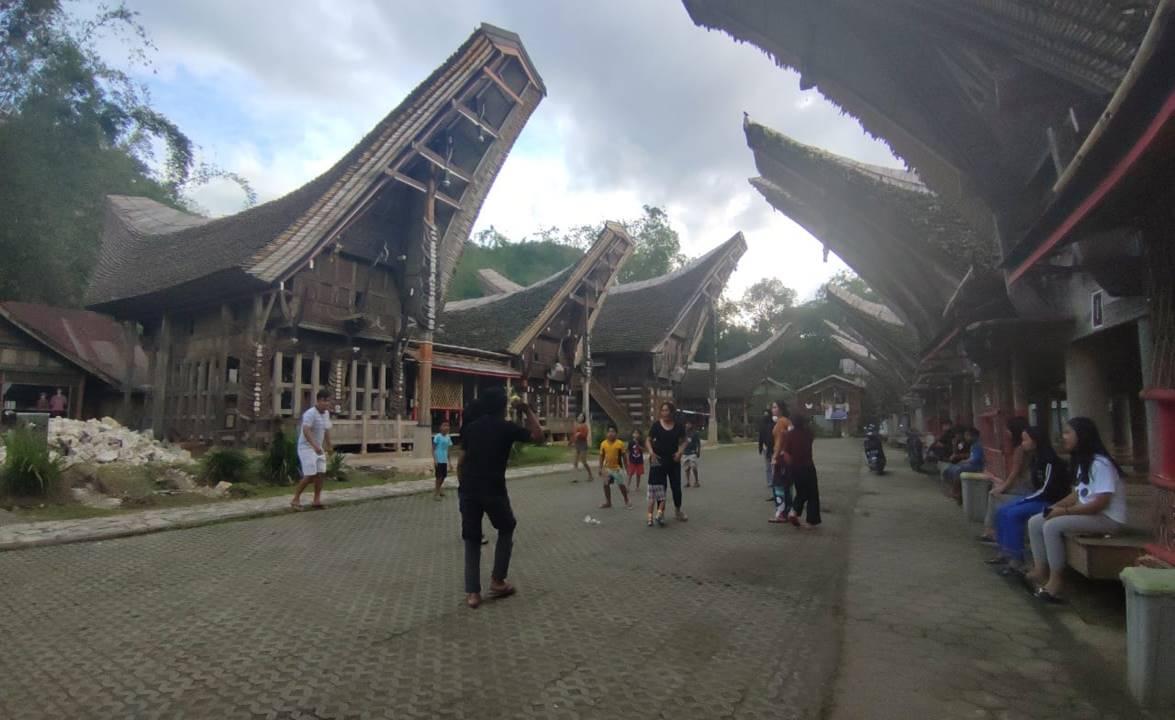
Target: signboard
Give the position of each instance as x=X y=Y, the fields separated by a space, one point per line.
x=1097 y=316
x=837 y=411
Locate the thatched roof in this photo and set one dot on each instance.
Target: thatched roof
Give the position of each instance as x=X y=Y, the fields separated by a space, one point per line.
x=738 y=376
x=638 y=317
x=961 y=94
x=878 y=327
x=508 y=322
x=493 y=282
x=146 y=266
x=898 y=235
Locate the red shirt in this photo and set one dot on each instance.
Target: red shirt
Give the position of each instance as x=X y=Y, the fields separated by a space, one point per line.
x=797 y=444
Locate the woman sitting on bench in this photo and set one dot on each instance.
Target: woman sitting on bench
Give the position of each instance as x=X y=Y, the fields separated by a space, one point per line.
x=1049 y=480
x=1097 y=506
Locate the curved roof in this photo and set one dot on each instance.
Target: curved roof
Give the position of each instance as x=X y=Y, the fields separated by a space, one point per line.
x=961 y=94
x=188 y=257
x=878 y=327
x=505 y=322
x=738 y=376
x=493 y=282
x=638 y=317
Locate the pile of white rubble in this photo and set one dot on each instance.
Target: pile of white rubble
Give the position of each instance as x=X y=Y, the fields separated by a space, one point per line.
x=106 y=441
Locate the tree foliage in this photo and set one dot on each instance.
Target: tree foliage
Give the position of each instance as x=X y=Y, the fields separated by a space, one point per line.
x=657 y=248
x=74 y=129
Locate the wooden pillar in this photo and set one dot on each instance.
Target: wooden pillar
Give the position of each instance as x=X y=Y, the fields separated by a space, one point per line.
x=367 y=400
x=131 y=339
x=315 y=369
x=298 y=387
x=276 y=384
x=383 y=391
x=159 y=381
x=587 y=356
x=353 y=386
x=78 y=399
x=712 y=434
x=424 y=368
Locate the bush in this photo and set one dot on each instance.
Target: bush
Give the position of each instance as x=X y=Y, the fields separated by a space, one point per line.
x=129 y=482
x=224 y=465
x=28 y=470
x=280 y=465
x=724 y=434
x=336 y=468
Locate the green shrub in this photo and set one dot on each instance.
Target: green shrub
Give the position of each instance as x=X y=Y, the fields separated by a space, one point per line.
x=280 y=465
x=129 y=482
x=336 y=468
x=224 y=465
x=28 y=470
x=724 y=434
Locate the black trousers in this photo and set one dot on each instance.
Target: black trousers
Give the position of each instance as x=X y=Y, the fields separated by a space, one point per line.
x=807 y=493
x=473 y=508
x=672 y=473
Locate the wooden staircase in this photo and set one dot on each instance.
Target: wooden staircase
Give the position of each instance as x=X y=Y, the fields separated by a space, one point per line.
x=617 y=411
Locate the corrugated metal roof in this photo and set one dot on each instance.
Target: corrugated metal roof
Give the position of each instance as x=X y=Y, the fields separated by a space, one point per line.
x=94 y=342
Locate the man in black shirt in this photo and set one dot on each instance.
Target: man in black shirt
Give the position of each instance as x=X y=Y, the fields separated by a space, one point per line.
x=487 y=441
x=767 y=444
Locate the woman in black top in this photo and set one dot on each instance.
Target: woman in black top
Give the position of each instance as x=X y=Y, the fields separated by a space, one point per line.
x=1050 y=483
x=666 y=443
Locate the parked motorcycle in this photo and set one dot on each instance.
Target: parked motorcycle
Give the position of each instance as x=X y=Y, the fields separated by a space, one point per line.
x=874 y=450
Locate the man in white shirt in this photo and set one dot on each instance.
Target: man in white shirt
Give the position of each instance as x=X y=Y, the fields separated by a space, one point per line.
x=313 y=445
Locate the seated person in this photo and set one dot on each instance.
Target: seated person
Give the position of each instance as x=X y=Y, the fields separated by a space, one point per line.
x=1097 y=505
x=972 y=461
x=1050 y=484
x=1017 y=482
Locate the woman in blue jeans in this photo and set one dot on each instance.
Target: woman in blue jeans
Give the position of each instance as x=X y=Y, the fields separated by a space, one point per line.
x=1050 y=482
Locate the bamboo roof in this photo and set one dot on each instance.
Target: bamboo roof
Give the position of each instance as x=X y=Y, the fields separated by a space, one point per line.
x=509 y=322
x=493 y=282
x=639 y=317
x=465 y=117
x=960 y=91
x=738 y=376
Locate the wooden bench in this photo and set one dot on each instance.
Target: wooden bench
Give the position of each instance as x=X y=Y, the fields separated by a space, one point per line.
x=1104 y=558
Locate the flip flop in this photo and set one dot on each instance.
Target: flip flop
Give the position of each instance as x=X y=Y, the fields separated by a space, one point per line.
x=1047 y=597
x=296 y=507
x=1009 y=571
x=318 y=506
x=1000 y=560
x=502 y=593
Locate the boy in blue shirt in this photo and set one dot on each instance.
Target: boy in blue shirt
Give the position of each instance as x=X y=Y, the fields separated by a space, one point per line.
x=441 y=442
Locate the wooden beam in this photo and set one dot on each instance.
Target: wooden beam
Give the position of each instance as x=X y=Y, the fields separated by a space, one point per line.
x=426 y=152
x=501 y=85
x=480 y=124
x=417 y=185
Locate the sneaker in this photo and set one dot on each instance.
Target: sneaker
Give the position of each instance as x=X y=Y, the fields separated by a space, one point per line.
x=660 y=519
x=680 y=516
x=650 y=523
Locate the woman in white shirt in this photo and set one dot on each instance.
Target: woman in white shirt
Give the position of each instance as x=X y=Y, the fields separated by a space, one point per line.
x=1097 y=506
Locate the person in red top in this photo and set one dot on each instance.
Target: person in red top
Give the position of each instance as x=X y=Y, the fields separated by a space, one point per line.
x=798 y=458
x=581 y=437
x=58 y=404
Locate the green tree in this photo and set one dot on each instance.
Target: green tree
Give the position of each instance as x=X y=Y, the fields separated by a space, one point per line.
x=74 y=129
x=658 y=247
x=848 y=280
x=764 y=305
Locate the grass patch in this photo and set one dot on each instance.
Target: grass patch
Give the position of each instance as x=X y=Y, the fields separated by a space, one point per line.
x=528 y=455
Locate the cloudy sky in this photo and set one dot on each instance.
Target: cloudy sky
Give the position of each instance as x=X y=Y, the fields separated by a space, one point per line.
x=643 y=108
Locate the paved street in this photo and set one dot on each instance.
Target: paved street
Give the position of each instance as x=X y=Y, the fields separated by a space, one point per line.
x=357 y=612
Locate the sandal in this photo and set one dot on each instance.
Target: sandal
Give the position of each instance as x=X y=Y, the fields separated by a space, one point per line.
x=296 y=507
x=1009 y=571
x=1047 y=597
x=999 y=560
x=503 y=592
x=473 y=600
x=318 y=506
